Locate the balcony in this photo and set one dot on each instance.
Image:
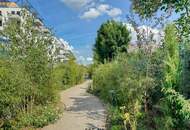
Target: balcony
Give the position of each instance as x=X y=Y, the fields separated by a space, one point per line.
x=38 y=22
x=45 y=30
x=42 y=29
x=14 y=16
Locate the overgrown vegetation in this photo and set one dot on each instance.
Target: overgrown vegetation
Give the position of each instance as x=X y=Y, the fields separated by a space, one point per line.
x=29 y=77
x=68 y=74
x=144 y=87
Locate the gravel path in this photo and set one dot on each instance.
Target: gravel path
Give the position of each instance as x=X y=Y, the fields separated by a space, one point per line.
x=83 y=111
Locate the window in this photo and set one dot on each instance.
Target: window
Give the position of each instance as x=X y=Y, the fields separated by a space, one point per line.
x=12 y=12
x=1 y=23
x=18 y=13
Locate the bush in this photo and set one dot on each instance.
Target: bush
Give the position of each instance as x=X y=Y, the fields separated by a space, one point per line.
x=15 y=106
x=12 y=79
x=115 y=118
x=107 y=79
x=25 y=73
x=41 y=116
x=68 y=74
x=123 y=83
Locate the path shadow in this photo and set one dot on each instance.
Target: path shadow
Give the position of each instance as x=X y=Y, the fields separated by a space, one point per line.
x=88 y=105
x=93 y=127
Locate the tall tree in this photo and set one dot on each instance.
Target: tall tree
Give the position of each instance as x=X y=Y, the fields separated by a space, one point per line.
x=179 y=107
x=113 y=38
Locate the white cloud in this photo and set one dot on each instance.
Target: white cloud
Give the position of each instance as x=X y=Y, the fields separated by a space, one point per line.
x=133 y=32
x=89 y=59
x=157 y=34
x=76 y=4
x=81 y=58
x=92 y=13
x=114 y=12
x=84 y=60
x=101 y=9
x=93 y=8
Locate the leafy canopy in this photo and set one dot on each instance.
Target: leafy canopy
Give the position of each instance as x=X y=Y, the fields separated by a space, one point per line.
x=113 y=38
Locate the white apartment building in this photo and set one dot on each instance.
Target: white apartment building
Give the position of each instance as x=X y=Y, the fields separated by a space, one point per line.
x=10 y=10
x=62 y=50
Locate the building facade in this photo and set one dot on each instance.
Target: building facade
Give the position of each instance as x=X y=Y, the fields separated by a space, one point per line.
x=8 y=11
x=11 y=10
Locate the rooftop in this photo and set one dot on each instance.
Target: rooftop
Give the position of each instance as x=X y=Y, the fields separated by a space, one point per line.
x=7 y=3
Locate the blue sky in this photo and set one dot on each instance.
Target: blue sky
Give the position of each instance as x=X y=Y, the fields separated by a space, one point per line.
x=77 y=21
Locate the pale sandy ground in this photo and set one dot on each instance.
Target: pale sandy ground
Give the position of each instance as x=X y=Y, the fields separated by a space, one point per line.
x=83 y=111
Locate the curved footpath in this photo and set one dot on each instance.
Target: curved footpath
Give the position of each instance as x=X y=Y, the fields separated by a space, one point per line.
x=83 y=111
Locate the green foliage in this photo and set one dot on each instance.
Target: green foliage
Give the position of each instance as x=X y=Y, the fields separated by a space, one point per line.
x=179 y=107
x=29 y=82
x=30 y=47
x=40 y=117
x=90 y=70
x=176 y=59
x=123 y=83
x=115 y=118
x=172 y=61
x=112 y=39
x=68 y=74
x=148 y=8
x=12 y=80
x=145 y=85
x=102 y=75
x=26 y=74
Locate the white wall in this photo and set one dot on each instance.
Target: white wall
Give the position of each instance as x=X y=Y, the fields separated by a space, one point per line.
x=6 y=14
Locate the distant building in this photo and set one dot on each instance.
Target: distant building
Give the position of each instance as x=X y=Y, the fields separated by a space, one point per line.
x=8 y=10
x=12 y=11
x=63 y=51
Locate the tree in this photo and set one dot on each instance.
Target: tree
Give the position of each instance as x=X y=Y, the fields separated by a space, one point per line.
x=172 y=59
x=31 y=47
x=179 y=107
x=147 y=9
x=15 y=87
x=113 y=38
x=25 y=79
x=176 y=81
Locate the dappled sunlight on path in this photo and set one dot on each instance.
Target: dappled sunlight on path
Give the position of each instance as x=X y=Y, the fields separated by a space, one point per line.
x=83 y=110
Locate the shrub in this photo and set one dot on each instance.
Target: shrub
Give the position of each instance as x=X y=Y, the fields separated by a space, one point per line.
x=41 y=116
x=25 y=75
x=12 y=81
x=115 y=118
x=123 y=83
x=68 y=74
